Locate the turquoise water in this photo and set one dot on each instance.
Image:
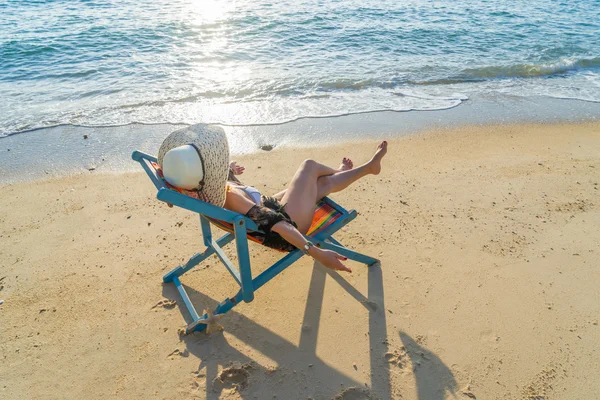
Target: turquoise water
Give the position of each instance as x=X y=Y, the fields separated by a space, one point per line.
x=103 y=63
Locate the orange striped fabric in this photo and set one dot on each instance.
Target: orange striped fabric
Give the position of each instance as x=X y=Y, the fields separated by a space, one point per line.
x=325 y=215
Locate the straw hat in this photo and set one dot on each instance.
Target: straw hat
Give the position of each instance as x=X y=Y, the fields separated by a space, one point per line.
x=197 y=158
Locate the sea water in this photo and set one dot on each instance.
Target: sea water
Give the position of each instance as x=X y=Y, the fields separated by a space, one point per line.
x=252 y=63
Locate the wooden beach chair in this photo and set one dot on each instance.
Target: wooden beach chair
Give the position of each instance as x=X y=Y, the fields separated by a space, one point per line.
x=329 y=218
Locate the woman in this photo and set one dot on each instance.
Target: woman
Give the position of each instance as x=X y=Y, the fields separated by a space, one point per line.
x=286 y=216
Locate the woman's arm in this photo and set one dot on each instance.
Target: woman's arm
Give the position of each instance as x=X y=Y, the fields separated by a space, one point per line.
x=328 y=258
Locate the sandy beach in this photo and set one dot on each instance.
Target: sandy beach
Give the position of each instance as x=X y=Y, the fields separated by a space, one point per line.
x=488 y=286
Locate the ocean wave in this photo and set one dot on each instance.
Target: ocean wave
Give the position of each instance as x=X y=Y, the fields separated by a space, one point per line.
x=248 y=113
x=529 y=70
x=26 y=129
x=271 y=63
x=272 y=103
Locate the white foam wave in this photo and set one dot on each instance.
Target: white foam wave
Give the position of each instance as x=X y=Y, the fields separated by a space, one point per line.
x=244 y=113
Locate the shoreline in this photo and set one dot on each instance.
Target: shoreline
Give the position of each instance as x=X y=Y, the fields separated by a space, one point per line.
x=108 y=149
x=487 y=288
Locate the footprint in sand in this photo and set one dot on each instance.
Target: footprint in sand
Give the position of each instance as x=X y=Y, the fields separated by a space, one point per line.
x=542 y=385
x=234 y=377
x=397 y=357
x=354 y=393
x=178 y=353
x=165 y=303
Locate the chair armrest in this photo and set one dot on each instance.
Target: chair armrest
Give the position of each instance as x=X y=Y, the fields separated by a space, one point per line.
x=145 y=160
x=195 y=205
x=139 y=156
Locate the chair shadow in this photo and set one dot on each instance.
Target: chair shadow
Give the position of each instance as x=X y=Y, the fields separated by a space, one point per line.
x=214 y=351
x=433 y=378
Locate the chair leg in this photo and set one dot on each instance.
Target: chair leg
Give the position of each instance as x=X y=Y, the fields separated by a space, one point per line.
x=351 y=254
x=187 y=302
x=197 y=259
x=197 y=324
x=222 y=308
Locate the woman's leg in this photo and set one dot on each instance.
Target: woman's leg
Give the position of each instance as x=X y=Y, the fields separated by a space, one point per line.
x=344 y=166
x=313 y=181
x=300 y=197
x=341 y=180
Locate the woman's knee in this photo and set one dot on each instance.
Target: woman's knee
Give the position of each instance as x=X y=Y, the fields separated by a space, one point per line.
x=309 y=164
x=308 y=168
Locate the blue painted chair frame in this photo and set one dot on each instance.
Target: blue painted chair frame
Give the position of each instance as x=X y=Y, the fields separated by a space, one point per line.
x=241 y=224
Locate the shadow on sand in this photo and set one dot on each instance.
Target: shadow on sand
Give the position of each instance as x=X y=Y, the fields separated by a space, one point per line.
x=303 y=374
x=433 y=378
x=314 y=377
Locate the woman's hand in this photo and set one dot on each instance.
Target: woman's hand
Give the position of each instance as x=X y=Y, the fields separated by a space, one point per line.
x=236 y=168
x=329 y=258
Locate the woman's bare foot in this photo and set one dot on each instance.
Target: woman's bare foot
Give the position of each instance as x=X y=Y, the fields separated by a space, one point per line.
x=375 y=162
x=346 y=164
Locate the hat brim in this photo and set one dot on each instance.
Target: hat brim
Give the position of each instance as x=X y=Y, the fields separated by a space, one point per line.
x=211 y=142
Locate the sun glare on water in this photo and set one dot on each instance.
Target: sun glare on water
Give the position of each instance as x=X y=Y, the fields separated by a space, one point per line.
x=216 y=71
x=209 y=11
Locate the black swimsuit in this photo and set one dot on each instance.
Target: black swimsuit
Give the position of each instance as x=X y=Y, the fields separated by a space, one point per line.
x=267 y=215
